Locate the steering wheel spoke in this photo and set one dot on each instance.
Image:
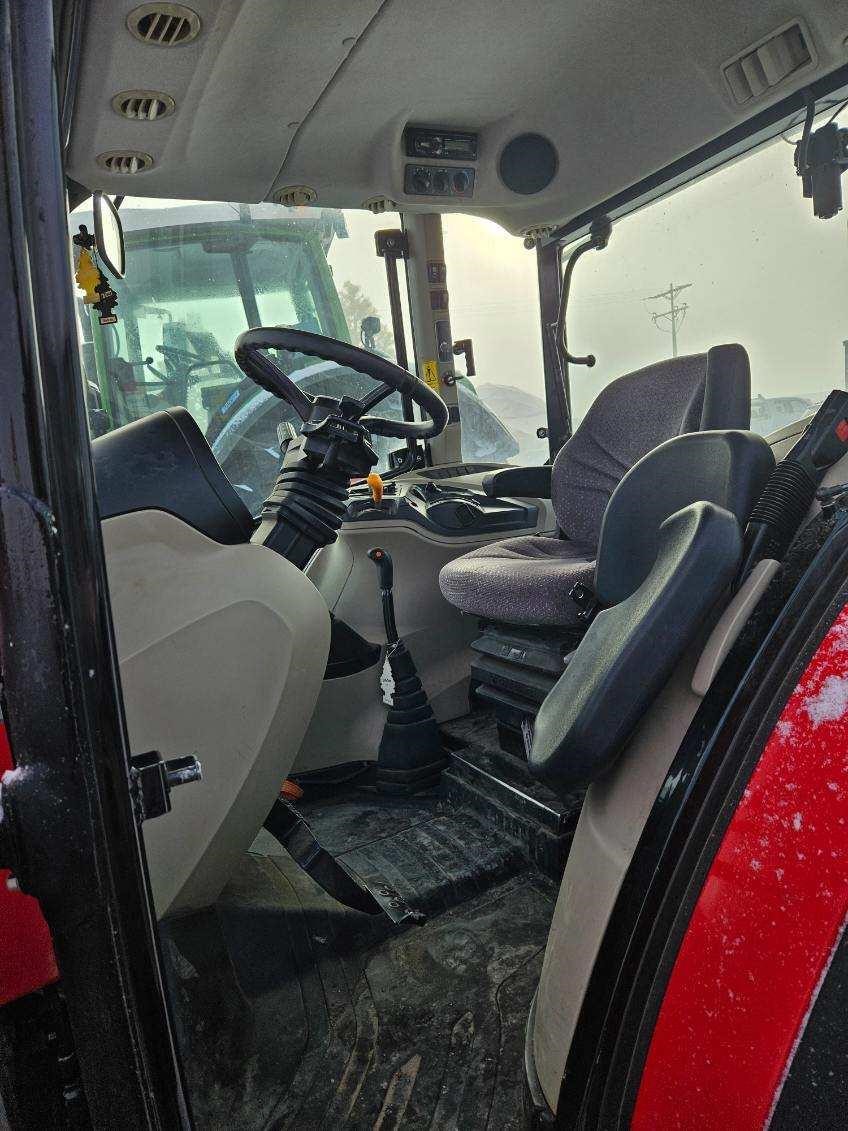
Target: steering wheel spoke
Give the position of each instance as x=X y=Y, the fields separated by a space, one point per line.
x=375 y=397
x=269 y=375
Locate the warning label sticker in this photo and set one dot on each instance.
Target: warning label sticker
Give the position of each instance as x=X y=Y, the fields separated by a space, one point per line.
x=430 y=374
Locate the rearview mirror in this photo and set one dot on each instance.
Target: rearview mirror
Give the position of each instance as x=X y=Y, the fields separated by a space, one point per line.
x=109 y=234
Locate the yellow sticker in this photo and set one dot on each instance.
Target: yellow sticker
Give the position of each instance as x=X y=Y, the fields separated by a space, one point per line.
x=430 y=376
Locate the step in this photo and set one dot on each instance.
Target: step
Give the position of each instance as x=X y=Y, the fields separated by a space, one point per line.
x=512 y=788
x=545 y=848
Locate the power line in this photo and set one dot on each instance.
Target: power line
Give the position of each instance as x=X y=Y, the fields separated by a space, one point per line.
x=675 y=314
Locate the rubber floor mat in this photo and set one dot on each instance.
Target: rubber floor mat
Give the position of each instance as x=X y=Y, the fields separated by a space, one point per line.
x=433 y=857
x=300 y=1013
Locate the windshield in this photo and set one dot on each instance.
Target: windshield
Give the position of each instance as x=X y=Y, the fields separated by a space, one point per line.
x=200 y=273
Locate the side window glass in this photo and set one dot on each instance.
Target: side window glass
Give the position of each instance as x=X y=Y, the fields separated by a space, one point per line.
x=494 y=301
x=735 y=257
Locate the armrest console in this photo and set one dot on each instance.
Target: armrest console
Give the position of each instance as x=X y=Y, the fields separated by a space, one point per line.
x=524 y=482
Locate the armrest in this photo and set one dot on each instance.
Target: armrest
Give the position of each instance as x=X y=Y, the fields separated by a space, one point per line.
x=525 y=482
x=631 y=649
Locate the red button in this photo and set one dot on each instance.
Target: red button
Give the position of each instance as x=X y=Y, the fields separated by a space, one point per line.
x=842 y=431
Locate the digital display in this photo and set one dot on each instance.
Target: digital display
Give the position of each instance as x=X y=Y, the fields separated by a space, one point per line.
x=440 y=145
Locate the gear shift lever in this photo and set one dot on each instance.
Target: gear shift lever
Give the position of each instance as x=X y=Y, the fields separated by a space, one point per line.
x=385 y=567
x=411 y=755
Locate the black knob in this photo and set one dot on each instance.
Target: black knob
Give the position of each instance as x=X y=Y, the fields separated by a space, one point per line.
x=382 y=559
x=460 y=181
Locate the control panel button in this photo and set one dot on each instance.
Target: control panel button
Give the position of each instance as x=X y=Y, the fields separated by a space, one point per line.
x=437 y=180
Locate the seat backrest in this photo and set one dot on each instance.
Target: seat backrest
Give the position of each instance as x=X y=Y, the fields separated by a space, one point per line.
x=163 y=462
x=635 y=414
x=671 y=542
x=728 y=467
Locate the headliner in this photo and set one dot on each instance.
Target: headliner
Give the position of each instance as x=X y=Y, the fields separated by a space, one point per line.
x=317 y=92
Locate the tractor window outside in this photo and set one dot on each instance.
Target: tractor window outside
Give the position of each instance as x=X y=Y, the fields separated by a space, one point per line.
x=735 y=257
x=494 y=300
x=198 y=274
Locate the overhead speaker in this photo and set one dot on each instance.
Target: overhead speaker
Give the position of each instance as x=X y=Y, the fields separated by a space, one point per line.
x=528 y=163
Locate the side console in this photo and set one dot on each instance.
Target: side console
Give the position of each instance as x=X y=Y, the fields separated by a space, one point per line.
x=442 y=509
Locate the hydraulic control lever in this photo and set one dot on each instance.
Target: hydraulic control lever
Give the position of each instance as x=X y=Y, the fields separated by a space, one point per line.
x=791 y=487
x=382 y=559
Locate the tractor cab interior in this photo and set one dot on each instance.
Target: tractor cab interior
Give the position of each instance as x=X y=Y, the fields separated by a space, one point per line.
x=417 y=607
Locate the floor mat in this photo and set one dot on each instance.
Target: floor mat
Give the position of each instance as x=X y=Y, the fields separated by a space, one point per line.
x=296 y=1012
x=431 y=853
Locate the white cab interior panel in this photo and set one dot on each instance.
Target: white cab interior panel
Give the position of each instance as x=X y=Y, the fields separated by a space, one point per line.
x=222 y=650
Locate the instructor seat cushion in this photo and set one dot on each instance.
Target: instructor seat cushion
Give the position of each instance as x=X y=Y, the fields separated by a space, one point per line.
x=630 y=650
x=520 y=580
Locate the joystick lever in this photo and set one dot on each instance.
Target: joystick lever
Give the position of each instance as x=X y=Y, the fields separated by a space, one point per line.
x=385 y=568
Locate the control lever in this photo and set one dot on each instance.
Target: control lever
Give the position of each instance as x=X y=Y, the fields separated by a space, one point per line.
x=787 y=496
x=375 y=485
x=382 y=559
x=411 y=756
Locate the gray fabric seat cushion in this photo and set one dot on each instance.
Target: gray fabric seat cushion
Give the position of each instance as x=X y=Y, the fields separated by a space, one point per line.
x=520 y=580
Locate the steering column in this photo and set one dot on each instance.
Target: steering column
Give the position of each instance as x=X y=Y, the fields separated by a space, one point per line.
x=309 y=500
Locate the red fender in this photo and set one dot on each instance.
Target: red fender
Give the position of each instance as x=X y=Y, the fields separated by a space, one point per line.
x=27 y=961
x=769 y=917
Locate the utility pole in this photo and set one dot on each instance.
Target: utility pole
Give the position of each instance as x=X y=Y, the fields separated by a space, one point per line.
x=675 y=314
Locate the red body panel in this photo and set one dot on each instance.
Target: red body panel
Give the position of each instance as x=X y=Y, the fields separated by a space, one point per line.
x=766 y=924
x=27 y=961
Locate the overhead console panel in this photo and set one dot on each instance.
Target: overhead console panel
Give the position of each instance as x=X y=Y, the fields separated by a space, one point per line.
x=527 y=113
x=439 y=180
x=241 y=84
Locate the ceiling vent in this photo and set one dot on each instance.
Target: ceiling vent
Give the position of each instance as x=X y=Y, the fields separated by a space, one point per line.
x=164 y=25
x=765 y=65
x=379 y=204
x=143 y=105
x=297 y=196
x=125 y=161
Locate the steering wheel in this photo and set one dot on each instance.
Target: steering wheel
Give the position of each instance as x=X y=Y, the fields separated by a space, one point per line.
x=191 y=361
x=261 y=369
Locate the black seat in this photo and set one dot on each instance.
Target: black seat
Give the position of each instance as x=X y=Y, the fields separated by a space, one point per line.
x=163 y=462
x=671 y=543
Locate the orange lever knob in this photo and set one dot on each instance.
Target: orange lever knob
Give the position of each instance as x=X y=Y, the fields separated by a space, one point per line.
x=376 y=484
